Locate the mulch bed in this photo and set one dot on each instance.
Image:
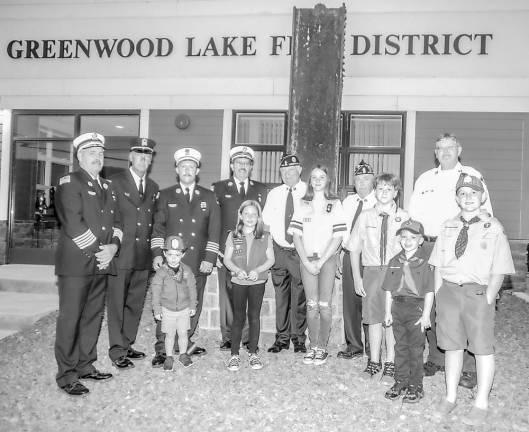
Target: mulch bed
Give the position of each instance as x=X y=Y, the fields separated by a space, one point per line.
x=284 y=396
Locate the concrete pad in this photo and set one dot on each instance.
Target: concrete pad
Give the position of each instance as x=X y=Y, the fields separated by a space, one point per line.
x=28 y=278
x=20 y=310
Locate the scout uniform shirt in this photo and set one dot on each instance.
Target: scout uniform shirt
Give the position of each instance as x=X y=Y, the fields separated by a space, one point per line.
x=365 y=237
x=350 y=204
x=274 y=211
x=89 y=217
x=317 y=226
x=229 y=199
x=137 y=219
x=487 y=252
x=433 y=199
x=197 y=222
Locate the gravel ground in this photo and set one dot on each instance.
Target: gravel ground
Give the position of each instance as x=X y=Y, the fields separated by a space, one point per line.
x=284 y=395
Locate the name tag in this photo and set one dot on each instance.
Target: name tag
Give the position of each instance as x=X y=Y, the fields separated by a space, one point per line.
x=91 y=193
x=171 y=205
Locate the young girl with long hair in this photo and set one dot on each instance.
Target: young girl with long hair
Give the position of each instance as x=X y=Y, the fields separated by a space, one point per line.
x=318 y=226
x=248 y=255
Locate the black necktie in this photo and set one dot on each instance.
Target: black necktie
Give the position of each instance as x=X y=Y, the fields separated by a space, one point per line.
x=140 y=188
x=383 y=237
x=188 y=195
x=289 y=212
x=357 y=213
x=462 y=238
x=242 y=192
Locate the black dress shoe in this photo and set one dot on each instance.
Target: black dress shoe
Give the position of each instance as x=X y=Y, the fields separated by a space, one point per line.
x=123 y=363
x=348 y=355
x=300 y=347
x=277 y=347
x=75 y=389
x=133 y=354
x=198 y=351
x=225 y=346
x=97 y=376
x=158 y=360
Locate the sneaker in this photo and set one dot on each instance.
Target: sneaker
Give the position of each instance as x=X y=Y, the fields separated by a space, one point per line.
x=185 y=360
x=372 y=368
x=430 y=368
x=320 y=357
x=308 y=358
x=476 y=417
x=388 y=374
x=442 y=411
x=468 y=380
x=399 y=388
x=414 y=394
x=235 y=363
x=255 y=362
x=168 y=363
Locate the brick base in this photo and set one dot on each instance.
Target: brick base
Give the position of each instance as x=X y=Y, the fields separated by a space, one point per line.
x=3 y=242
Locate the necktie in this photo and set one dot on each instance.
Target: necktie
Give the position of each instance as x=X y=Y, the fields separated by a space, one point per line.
x=242 y=192
x=383 y=237
x=140 y=188
x=188 y=195
x=289 y=212
x=357 y=213
x=462 y=238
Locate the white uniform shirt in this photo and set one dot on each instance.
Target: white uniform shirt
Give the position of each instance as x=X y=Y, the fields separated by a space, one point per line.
x=487 y=252
x=350 y=204
x=434 y=197
x=137 y=179
x=274 y=210
x=318 y=226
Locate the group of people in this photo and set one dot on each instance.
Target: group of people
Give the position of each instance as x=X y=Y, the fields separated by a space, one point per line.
x=391 y=261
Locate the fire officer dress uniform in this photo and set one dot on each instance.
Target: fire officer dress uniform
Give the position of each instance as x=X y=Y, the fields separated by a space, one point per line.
x=128 y=288
x=89 y=217
x=230 y=196
x=197 y=222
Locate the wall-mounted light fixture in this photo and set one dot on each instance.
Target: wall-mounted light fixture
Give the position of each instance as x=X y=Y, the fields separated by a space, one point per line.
x=182 y=121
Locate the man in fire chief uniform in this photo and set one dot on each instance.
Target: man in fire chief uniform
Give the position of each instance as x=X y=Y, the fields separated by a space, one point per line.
x=137 y=196
x=90 y=237
x=191 y=212
x=230 y=194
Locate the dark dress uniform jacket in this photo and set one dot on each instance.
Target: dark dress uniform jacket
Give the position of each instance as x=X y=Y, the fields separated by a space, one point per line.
x=197 y=222
x=89 y=217
x=230 y=200
x=137 y=219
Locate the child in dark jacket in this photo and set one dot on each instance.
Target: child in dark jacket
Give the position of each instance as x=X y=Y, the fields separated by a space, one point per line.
x=409 y=286
x=174 y=299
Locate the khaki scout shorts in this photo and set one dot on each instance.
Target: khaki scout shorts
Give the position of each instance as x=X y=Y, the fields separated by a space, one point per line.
x=374 y=303
x=464 y=318
x=174 y=321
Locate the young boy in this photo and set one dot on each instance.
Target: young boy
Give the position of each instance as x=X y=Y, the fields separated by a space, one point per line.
x=409 y=286
x=471 y=257
x=374 y=238
x=174 y=299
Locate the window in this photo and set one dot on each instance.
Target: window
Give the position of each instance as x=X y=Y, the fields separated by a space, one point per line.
x=376 y=138
x=265 y=133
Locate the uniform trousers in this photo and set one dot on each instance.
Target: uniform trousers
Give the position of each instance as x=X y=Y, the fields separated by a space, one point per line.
x=159 y=346
x=226 y=306
x=125 y=299
x=435 y=354
x=291 y=310
x=352 y=311
x=81 y=308
x=409 y=339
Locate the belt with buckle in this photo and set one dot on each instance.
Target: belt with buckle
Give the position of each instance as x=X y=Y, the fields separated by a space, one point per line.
x=430 y=239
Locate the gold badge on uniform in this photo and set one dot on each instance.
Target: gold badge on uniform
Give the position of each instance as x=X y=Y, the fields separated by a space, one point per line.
x=203 y=205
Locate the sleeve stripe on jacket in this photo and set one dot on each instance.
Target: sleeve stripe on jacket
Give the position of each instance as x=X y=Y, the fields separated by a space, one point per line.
x=85 y=239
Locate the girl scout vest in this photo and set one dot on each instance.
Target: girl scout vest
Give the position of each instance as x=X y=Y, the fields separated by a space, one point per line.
x=256 y=257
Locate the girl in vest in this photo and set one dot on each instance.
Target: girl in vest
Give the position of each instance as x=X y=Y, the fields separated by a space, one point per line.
x=318 y=226
x=248 y=255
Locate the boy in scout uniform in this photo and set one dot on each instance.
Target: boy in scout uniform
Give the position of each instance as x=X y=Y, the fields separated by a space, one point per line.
x=471 y=256
x=230 y=194
x=191 y=212
x=90 y=237
x=374 y=238
x=136 y=198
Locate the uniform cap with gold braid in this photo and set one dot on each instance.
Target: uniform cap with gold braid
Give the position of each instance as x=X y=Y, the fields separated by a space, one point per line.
x=87 y=140
x=142 y=145
x=175 y=243
x=241 y=152
x=187 y=153
x=467 y=180
x=363 y=168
